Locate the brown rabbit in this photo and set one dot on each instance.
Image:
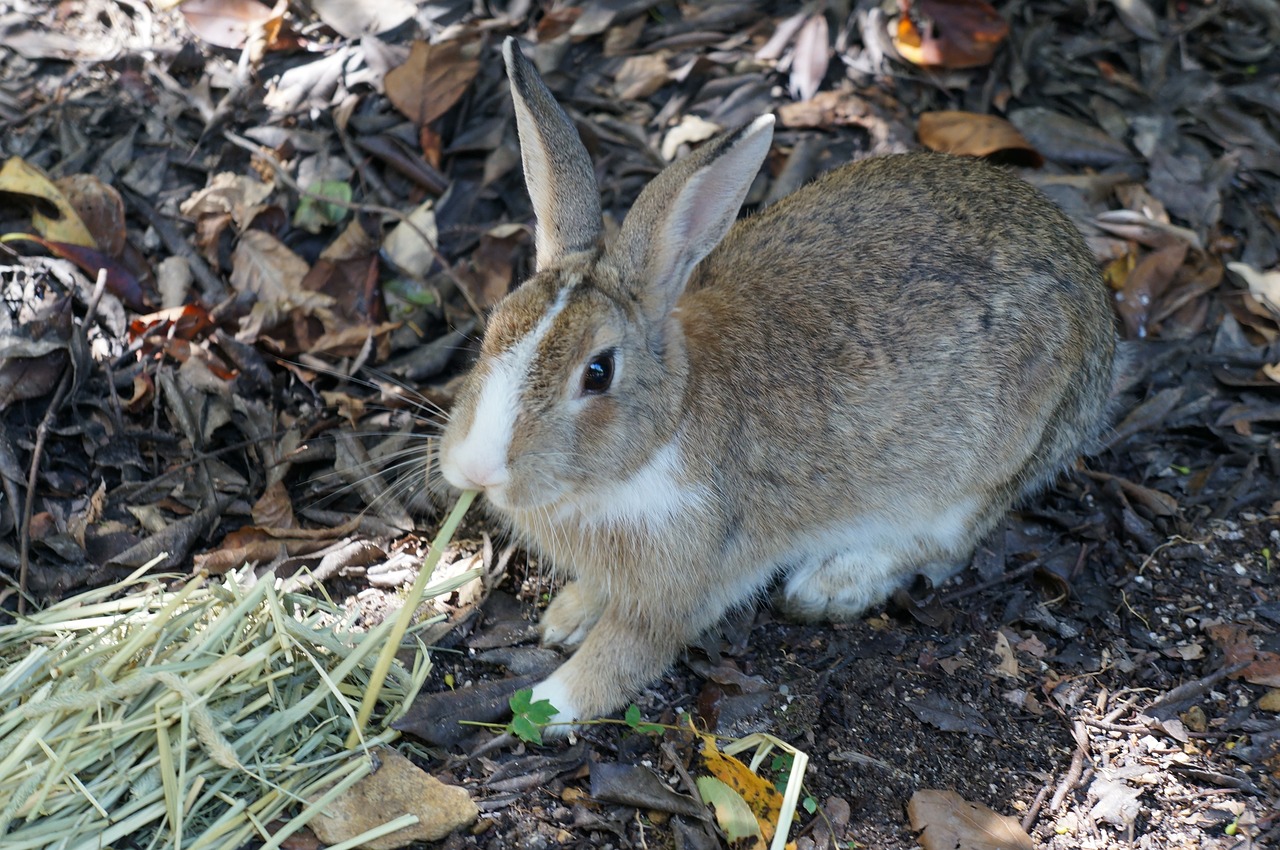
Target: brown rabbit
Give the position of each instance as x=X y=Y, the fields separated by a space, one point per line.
x=845 y=390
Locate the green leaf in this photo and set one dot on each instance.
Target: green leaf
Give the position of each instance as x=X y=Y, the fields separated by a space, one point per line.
x=632 y=718
x=810 y=804
x=525 y=730
x=519 y=701
x=541 y=712
x=314 y=213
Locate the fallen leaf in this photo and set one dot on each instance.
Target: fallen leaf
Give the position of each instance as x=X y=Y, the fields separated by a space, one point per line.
x=635 y=785
x=689 y=131
x=812 y=55
x=760 y=796
x=640 y=76
x=99 y=207
x=33 y=354
x=316 y=213
x=1265 y=286
x=432 y=79
x=732 y=814
x=1117 y=801
x=972 y=134
x=263 y=267
x=274 y=508
x=1240 y=647
x=950 y=716
x=354 y=18
x=1008 y=666
x=491 y=264
x=1144 y=285
x=948 y=33
x=410 y=246
x=52 y=216
x=396 y=787
x=1068 y=140
x=947 y=821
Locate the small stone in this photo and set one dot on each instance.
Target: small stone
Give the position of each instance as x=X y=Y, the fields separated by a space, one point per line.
x=398 y=787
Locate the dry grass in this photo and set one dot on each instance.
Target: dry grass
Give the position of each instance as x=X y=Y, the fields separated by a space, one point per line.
x=163 y=713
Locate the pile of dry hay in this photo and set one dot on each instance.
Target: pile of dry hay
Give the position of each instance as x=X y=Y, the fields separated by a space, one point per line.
x=139 y=715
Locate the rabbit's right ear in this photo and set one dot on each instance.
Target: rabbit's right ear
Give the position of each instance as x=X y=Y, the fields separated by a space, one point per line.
x=557 y=169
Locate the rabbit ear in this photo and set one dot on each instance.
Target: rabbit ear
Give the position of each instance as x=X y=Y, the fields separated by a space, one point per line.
x=557 y=170
x=686 y=210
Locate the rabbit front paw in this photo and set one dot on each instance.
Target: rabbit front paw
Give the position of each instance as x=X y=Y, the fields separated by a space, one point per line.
x=570 y=616
x=555 y=690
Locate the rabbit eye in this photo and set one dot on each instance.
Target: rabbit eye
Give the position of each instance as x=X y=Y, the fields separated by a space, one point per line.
x=598 y=375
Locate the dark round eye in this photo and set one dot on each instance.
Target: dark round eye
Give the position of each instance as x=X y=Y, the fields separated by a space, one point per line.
x=598 y=375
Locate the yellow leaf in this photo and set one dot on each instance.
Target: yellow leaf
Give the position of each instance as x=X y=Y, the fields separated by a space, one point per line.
x=763 y=799
x=53 y=218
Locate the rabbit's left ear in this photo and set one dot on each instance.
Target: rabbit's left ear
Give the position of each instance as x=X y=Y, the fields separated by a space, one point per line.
x=686 y=211
x=557 y=169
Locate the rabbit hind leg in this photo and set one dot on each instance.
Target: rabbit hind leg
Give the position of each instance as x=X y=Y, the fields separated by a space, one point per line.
x=868 y=560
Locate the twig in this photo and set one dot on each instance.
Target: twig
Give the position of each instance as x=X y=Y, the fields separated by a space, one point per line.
x=60 y=396
x=1004 y=578
x=1077 y=766
x=1029 y=820
x=1196 y=687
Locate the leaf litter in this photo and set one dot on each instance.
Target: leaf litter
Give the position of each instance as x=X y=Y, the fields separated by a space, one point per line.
x=230 y=396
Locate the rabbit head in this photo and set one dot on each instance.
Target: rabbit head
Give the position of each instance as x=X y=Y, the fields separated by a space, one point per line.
x=582 y=371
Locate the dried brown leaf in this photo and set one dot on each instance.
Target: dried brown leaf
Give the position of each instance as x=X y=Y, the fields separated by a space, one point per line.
x=274 y=508
x=100 y=207
x=432 y=79
x=950 y=822
x=640 y=76
x=1145 y=284
x=972 y=134
x=1240 y=647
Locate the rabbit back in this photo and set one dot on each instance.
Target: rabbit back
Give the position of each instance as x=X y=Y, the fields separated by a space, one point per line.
x=910 y=334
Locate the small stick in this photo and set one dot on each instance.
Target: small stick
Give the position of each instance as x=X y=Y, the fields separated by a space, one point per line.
x=1196 y=687
x=1030 y=819
x=1077 y=765
x=60 y=396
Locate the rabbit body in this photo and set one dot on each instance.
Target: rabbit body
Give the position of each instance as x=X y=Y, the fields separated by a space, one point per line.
x=849 y=388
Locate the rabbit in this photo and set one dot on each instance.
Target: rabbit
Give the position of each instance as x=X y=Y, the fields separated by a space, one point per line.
x=841 y=391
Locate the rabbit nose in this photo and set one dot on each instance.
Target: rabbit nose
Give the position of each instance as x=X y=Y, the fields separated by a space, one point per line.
x=480 y=475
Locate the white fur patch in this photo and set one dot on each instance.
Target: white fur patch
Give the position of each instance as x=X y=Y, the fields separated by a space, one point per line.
x=856 y=565
x=556 y=691
x=479 y=460
x=651 y=498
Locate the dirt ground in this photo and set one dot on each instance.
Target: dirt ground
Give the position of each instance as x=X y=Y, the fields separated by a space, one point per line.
x=261 y=374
